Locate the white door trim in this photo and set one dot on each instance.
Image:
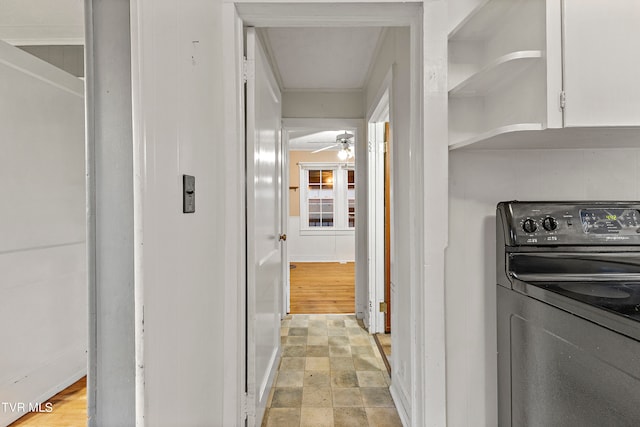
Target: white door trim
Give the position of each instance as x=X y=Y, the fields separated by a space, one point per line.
x=381 y=108
x=428 y=168
x=352 y=125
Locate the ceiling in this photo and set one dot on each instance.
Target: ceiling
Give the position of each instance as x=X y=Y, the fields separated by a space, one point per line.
x=42 y=22
x=313 y=58
x=311 y=140
x=322 y=58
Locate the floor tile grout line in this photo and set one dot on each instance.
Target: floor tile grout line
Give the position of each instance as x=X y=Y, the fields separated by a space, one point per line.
x=369 y=411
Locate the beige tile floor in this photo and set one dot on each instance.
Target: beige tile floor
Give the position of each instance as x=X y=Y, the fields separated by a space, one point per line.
x=331 y=374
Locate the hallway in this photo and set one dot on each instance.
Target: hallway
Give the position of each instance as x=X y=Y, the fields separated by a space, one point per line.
x=331 y=374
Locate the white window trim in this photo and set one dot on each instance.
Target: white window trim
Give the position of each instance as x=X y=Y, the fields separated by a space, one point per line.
x=340 y=201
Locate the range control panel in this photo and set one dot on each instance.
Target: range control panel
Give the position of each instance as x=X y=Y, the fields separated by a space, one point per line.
x=570 y=223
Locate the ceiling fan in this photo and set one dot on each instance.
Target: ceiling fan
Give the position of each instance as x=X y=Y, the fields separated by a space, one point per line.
x=344 y=141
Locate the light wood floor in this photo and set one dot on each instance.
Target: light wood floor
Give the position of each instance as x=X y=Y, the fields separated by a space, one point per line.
x=322 y=288
x=69 y=409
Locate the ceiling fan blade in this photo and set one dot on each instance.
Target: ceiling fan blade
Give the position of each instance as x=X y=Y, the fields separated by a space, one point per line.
x=344 y=136
x=325 y=148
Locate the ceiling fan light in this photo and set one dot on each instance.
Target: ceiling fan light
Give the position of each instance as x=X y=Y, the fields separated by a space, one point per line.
x=343 y=154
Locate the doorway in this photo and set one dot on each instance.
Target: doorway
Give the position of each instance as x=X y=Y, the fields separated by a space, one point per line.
x=321 y=203
x=407 y=388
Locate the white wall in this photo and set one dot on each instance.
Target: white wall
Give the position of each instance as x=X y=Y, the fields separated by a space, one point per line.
x=394 y=51
x=478 y=181
x=322 y=104
x=179 y=128
x=43 y=285
x=327 y=246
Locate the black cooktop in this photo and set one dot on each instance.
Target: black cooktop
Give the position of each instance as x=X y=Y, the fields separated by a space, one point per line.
x=622 y=298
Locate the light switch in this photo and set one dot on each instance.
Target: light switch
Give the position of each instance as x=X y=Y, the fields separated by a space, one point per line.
x=188 y=194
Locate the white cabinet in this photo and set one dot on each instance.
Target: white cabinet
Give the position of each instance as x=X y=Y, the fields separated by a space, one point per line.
x=514 y=63
x=602 y=62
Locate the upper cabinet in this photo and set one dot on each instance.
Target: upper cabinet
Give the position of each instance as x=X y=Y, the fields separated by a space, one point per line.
x=522 y=72
x=602 y=62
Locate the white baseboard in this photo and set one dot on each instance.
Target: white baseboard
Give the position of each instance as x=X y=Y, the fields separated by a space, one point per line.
x=317 y=259
x=400 y=406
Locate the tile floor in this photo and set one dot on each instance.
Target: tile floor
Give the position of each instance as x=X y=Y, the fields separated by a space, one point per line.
x=331 y=374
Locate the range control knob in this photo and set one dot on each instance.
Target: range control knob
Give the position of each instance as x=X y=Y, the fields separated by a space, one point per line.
x=529 y=226
x=549 y=223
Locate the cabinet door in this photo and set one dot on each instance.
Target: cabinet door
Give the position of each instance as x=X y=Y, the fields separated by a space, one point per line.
x=602 y=62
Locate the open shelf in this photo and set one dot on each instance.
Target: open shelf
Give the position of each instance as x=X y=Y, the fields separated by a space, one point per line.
x=482 y=20
x=497 y=72
x=533 y=136
x=496 y=133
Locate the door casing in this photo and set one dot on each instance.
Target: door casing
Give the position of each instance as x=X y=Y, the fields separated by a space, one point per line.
x=428 y=167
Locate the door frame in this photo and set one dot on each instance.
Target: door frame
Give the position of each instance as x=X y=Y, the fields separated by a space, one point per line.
x=381 y=108
x=428 y=165
x=354 y=125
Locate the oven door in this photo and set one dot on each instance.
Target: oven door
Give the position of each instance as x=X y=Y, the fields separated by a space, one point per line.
x=556 y=368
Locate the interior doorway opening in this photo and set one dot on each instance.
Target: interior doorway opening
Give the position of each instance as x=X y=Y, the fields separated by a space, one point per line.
x=321 y=206
x=402 y=50
x=379 y=218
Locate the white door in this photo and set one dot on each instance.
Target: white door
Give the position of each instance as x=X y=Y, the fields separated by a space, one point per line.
x=264 y=213
x=601 y=62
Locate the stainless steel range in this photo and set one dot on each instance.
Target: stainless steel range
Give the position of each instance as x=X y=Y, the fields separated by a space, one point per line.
x=568 y=313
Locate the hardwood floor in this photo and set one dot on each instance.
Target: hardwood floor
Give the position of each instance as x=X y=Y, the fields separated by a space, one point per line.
x=322 y=288
x=69 y=409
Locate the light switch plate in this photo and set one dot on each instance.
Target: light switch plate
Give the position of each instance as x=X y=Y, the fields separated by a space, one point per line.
x=188 y=194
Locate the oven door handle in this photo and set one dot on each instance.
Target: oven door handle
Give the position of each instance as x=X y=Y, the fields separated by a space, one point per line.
x=575 y=277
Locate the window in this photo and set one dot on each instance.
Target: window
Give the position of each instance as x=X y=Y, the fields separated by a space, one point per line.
x=351 y=198
x=320 y=197
x=327 y=196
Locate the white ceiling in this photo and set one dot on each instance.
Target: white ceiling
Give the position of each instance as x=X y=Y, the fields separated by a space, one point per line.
x=42 y=22
x=322 y=58
x=311 y=140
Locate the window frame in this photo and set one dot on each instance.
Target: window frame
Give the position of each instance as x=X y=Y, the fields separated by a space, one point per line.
x=340 y=198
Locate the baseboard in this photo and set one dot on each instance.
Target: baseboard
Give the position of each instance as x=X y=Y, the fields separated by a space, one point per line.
x=294 y=259
x=268 y=385
x=41 y=384
x=400 y=406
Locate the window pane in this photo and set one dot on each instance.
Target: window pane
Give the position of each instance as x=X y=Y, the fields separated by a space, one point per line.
x=351 y=179
x=352 y=213
x=327 y=179
x=314 y=177
x=314 y=205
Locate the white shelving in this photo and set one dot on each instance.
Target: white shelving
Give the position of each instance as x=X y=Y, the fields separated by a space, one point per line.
x=496 y=133
x=512 y=61
x=498 y=72
x=482 y=20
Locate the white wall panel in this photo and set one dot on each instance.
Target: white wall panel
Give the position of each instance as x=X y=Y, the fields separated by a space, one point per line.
x=478 y=181
x=394 y=51
x=43 y=290
x=328 y=247
x=179 y=130
x=322 y=104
